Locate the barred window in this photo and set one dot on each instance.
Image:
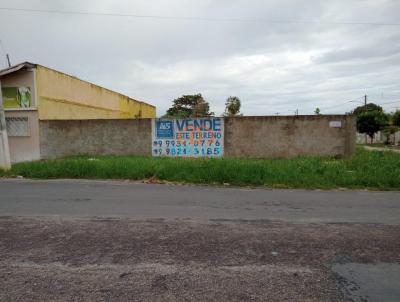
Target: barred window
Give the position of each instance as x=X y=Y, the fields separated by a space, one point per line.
x=18 y=126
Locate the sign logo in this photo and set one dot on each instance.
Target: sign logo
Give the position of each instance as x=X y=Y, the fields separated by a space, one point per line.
x=164 y=129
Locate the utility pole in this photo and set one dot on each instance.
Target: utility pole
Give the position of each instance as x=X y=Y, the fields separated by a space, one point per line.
x=8 y=60
x=5 y=162
x=365 y=109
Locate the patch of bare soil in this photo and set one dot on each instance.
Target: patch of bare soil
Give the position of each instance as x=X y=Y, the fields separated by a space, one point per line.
x=128 y=260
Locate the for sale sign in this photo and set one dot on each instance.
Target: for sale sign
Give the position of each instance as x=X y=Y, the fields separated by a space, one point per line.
x=192 y=137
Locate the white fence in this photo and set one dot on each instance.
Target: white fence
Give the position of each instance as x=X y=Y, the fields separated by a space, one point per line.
x=379 y=138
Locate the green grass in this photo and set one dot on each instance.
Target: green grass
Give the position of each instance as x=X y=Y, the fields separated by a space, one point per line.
x=367 y=169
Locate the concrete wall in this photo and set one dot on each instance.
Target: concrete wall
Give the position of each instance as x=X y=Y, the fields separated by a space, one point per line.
x=64 y=97
x=289 y=136
x=272 y=137
x=63 y=138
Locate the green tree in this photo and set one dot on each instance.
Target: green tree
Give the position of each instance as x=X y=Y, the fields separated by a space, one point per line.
x=317 y=111
x=396 y=118
x=232 y=106
x=189 y=106
x=367 y=108
x=370 y=119
x=392 y=127
x=370 y=122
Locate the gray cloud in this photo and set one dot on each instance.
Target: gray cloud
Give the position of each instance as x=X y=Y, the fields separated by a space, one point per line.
x=273 y=67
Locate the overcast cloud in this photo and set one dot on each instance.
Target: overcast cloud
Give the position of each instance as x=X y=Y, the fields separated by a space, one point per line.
x=272 y=67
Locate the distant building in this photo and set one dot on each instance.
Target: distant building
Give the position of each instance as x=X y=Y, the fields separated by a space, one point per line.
x=32 y=92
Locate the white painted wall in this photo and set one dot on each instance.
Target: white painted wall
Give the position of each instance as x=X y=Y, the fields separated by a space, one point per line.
x=23 y=148
x=4 y=148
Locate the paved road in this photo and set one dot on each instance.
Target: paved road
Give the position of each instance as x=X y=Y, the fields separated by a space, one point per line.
x=137 y=200
x=370 y=282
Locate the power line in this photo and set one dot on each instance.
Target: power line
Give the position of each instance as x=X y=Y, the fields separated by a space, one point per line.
x=334 y=106
x=341 y=104
x=205 y=19
x=390 y=103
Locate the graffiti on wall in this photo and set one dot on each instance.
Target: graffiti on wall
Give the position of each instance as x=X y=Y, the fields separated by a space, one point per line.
x=16 y=97
x=192 y=137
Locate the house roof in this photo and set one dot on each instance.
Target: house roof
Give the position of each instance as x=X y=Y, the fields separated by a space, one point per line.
x=17 y=67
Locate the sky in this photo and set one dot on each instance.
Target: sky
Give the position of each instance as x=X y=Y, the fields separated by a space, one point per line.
x=276 y=56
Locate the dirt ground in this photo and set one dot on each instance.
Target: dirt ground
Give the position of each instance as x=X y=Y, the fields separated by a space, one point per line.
x=55 y=259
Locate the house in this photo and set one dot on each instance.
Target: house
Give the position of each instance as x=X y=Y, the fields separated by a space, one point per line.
x=32 y=92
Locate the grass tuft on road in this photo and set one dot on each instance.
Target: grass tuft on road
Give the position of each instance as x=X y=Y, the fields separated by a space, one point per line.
x=367 y=169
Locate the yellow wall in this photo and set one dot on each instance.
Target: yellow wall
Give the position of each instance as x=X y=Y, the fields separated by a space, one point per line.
x=63 y=97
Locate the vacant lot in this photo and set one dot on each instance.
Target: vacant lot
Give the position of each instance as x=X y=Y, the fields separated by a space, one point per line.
x=367 y=169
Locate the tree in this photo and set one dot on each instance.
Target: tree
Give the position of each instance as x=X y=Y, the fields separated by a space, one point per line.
x=189 y=106
x=202 y=109
x=392 y=127
x=396 y=118
x=370 y=122
x=366 y=108
x=232 y=106
x=317 y=111
x=369 y=119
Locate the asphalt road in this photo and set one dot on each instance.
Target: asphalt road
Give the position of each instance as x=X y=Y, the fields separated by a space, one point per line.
x=142 y=201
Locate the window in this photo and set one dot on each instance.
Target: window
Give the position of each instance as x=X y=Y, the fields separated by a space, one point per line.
x=18 y=126
x=17 y=97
